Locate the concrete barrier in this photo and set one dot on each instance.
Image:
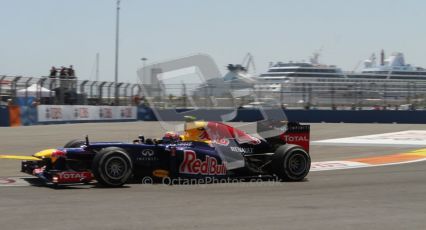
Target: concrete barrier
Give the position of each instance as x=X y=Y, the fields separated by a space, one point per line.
x=29 y=117
x=358 y=116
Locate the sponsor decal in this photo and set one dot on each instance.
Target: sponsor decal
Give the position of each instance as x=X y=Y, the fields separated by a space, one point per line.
x=184 y=144
x=220 y=141
x=287 y=138
x=160 y=173
x=105 y=112
x=147 y=155
x=48 y=113
x=126 y=112
x=193 y=165
x=54 y=113
x=301 y=139
x=241 y=150
x=81 y=112
x=74 y=177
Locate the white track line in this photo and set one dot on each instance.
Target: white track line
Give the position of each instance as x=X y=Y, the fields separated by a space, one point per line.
x=413 y=138
x=338 y=165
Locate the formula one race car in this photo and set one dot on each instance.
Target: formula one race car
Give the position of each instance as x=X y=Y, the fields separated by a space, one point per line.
x=204 y=150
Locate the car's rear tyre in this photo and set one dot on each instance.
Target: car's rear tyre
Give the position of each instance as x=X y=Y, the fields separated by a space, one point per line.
x=291 y=163
x=112 y=167
x=74 y=143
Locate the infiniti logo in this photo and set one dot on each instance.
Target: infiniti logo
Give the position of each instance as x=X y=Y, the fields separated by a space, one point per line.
x=148 y=152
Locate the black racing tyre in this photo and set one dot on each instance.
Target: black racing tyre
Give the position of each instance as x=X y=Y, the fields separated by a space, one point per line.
x=291 y=163
x=74 y=143
x=112 y=167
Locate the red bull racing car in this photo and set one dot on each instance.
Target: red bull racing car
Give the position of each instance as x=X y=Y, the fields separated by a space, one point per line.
x=204 y=150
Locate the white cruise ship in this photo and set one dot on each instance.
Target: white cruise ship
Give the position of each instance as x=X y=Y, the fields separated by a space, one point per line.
x=390 y=80
x=300 y=72
x=280 y=74
x=393 y=68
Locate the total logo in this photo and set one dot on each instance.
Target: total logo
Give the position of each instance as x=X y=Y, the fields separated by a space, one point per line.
x=294 y=138
x=74 y=175
x=193 y=165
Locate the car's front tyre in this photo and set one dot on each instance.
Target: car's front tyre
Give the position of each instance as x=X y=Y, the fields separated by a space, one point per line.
x=112 y=167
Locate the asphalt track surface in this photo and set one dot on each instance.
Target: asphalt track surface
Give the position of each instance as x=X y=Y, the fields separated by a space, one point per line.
x=386 y=197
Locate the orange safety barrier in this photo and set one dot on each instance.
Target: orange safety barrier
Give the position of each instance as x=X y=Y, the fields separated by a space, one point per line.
x=14 y=115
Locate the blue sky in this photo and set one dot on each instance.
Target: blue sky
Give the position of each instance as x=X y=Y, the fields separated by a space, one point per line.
x=38 y=34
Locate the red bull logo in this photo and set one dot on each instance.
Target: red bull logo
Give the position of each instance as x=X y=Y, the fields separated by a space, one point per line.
x=192 y=165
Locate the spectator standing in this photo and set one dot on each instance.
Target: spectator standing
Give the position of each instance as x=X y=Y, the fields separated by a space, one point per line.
x=53 y=72
x=71 y=72
x=63 y=72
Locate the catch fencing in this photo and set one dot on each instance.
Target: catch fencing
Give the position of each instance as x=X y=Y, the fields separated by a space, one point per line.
x=361 y=95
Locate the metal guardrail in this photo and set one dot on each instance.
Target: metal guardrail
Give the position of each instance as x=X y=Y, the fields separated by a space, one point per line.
x=315 y=95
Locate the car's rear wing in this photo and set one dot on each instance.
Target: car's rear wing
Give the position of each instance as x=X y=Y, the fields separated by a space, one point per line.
x=297 y=134
x=285 y=132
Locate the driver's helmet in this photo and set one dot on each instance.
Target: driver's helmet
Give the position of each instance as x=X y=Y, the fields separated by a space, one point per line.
x=171 y=137
x=196 y=131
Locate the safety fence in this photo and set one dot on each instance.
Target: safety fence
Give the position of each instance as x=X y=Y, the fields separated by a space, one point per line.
x=360 y=95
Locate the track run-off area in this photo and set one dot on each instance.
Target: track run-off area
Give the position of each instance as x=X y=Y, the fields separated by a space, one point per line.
x=363 y=176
